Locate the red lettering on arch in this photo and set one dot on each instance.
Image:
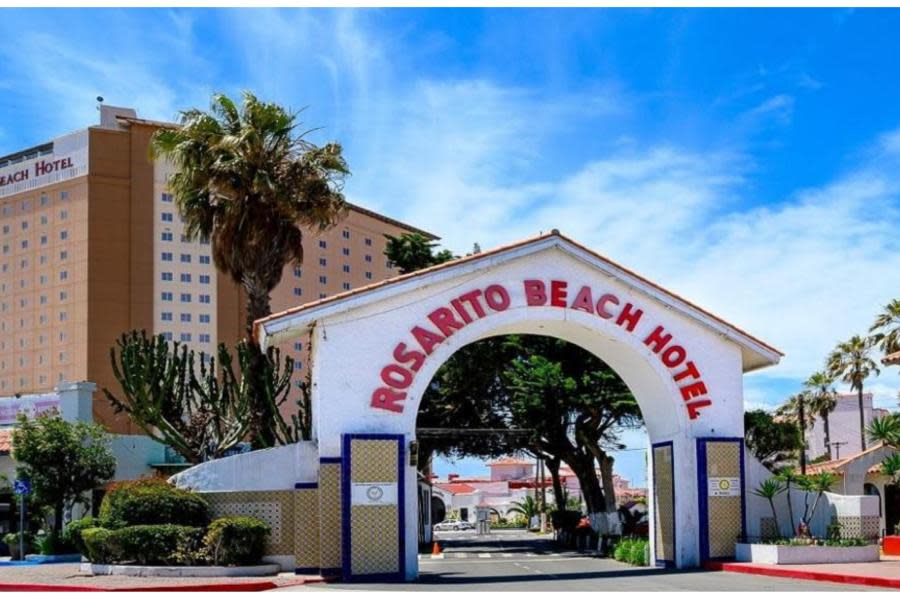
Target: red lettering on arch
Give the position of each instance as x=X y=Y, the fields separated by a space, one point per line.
x=444 y=319
x=535 y=292
x=427 y=339
x=584 y=300
x=388 y=399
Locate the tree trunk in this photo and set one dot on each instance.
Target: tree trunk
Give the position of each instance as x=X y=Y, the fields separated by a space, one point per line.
x=558 y=494
x=606 y=474
x=827 y=426
x=862 y=419
x=583 y=465
x=801 y=406
x=58 y=509
x=262 y=418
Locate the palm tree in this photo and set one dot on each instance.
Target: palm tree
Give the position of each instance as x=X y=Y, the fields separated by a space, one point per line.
x=526 y=507
x=851 y=362
x=822 y=401
x=248 y=181
x=769 y=489
x=886 y=328
x=819 y=484
x=890 y=466
x=795 y=410
x=787 y=476
x=885 y=429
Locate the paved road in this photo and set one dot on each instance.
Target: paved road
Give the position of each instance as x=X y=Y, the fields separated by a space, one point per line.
x=518 y=560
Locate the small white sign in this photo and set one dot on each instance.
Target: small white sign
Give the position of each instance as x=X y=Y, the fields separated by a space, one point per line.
x=373 y=494
x=724 y=486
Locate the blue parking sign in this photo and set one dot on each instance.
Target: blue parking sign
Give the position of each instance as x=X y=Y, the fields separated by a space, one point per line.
x=22 y=487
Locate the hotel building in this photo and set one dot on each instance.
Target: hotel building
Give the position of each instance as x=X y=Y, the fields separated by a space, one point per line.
x=92 y=245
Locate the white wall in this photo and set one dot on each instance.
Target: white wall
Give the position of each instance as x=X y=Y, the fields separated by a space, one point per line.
x=269 y=469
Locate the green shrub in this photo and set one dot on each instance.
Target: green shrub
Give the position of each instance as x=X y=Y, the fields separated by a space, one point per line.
x=637 y=556
x=98 y=546
x=72 y=533
x=52 y=542
x=236 y=540
x=622 y=550
x=143 y=544
x=152 y=502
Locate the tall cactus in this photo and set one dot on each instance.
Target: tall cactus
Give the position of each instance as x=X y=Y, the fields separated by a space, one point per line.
x=200 y=412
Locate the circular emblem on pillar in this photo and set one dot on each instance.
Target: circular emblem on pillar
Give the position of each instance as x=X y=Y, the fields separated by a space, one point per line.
x=374 y=493
x=724 y=485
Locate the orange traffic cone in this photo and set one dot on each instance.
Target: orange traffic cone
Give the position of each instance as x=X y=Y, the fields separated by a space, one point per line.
x=436 y=550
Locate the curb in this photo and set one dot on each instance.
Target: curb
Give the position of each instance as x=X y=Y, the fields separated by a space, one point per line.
x=807 y=575
x=252 y=586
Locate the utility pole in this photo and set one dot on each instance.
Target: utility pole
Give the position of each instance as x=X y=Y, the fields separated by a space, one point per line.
x=802 y=409
x=837 y=448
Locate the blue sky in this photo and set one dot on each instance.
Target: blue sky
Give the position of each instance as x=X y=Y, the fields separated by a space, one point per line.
x=745 y=159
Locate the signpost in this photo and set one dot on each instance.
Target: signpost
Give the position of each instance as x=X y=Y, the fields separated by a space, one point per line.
x=22 y=487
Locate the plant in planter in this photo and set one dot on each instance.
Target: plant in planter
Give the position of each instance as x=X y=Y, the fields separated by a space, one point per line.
x=769 y=489
x=12 y=540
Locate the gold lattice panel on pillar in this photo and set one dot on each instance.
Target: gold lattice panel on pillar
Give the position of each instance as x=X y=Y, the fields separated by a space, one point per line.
x=330 y=515
x=664 y=503
x=275 y=507
x=373 y=460
x=374 y=541
x=374 y=529
x=723 y=459
x=306 y=528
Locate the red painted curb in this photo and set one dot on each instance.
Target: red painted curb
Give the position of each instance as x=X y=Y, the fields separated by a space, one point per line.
x=807 y=575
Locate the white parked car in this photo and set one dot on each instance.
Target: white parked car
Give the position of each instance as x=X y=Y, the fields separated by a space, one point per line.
x=453 y=526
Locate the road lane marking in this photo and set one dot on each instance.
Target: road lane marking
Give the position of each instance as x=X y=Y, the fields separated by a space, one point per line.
x=484 y=555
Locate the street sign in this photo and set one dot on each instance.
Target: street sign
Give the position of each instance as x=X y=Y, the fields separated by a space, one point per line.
x=22 y=487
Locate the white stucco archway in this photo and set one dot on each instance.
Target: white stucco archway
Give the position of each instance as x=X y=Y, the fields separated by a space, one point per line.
x=374 y=350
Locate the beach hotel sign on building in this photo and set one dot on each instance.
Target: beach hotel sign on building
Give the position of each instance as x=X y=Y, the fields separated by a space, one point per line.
x=409 y=355
x=67 y=160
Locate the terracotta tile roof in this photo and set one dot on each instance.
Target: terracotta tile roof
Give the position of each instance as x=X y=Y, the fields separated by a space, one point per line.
x=5 y=441
x=456 y=488
x=510 y=461
x=835 y=466
x=486 y=254
x=891 y=359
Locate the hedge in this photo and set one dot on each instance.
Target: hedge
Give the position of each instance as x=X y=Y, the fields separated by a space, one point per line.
x=152 y=502
x=144 y=544
x=72 y=532
x=632 y=551
x=236 y=541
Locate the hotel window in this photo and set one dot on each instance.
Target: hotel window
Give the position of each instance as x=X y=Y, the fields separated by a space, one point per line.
x=185 y=278
x=25 y=205
x=298 y=346
x=298 y=291
x=184 y=238
x=346 y=268
x=43 y=279
x=167 y=236
x=298 y=364
x=24 y=244
x=204 y=259
x=167 y=197
x=63 y=316
x=204 y=338
x=204 y=240
x=322 y=295
x=63 y=296
x=323 y=262
x=23 y=303
x=44 y=199
x=346 y=251
x=63 y=214
x=6 y=229
x=368 y=241
x=346 y=286
x=204 y=279
x=167 y=296
x=345 y=234
x=167 y=276
x=24 y=225
x=64 y=195
x=204 y=318
x=323 y=279
x=185 y=297
x=43 y=319
x=63 y=255
x=185 y=317
x=389 y=264
x=63 y=275
x=167 y=335
x=166 y=316
x=5 y=248
x=23 y=264
x=167 y=256
x=185 y=337
x=167 y=217
x=43 y=299
x=368 y=274
x=43 y=240
x=63 y=235
x=185 y=258
x=44 y=220
x=204 y=298
x=298 y=272
x=323 y=244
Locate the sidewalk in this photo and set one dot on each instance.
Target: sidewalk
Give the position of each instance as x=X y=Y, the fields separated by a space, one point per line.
x=885 y=573
x=68 y=577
